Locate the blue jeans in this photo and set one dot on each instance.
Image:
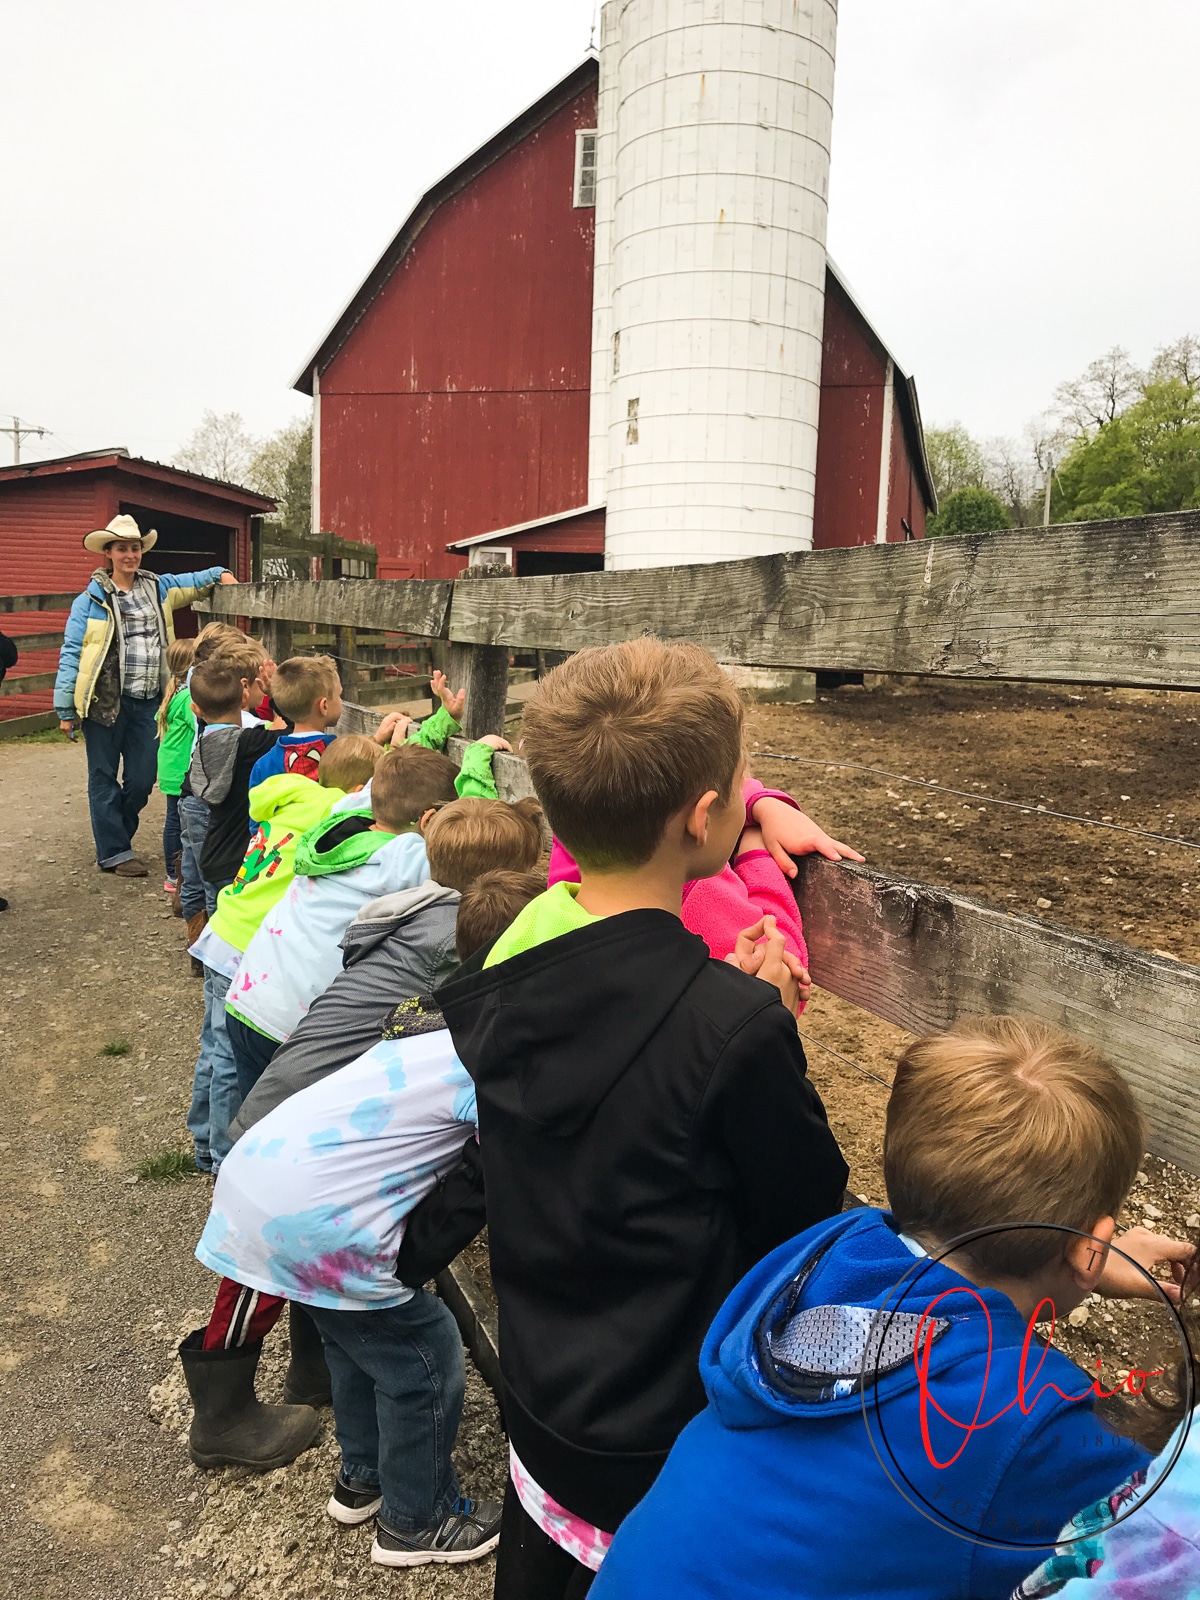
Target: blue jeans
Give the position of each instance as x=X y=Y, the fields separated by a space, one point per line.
x=215 y=1097
x=172 y=837
x=398 y=1376
x=193 y=827
x=251 y=1050
x=131 y=745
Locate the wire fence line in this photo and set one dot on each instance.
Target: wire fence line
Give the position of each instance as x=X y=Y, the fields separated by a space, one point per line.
x=810 y=1038
x=974 y=794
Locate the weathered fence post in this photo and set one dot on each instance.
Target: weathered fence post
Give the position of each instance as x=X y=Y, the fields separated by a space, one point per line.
x=277 y=638
x=346 y=649
x=482 y=670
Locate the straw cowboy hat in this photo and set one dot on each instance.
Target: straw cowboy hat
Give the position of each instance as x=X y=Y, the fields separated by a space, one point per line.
x=122 y=527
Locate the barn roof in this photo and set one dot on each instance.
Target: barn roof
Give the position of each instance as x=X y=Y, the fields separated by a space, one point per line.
x=158 y=471
x=568 y=89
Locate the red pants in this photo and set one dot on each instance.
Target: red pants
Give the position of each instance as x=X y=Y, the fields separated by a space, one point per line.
x=241 y=1316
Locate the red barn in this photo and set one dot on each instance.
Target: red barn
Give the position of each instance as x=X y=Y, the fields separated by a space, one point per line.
x=46 y=507
x=451 y=396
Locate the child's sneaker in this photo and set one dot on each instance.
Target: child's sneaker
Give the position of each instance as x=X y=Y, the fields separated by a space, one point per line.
x=353 y=1502
x=469 y=1531
x=170 y=886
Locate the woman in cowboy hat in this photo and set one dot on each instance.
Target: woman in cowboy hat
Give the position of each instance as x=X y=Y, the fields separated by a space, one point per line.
x=111 y=673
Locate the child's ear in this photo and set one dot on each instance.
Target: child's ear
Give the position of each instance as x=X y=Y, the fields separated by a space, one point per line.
x=424 y=820
x=1086 y=1256
x=356 y=788
x=695 y=821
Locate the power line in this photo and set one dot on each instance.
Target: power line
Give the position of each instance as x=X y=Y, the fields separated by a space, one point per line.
x=973 y=794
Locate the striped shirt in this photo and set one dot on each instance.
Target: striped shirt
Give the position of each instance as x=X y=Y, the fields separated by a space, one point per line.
x=141 y=668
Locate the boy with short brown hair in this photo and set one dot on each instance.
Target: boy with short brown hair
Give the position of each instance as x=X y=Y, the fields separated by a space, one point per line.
x=882 y=1371
x=646 y=1124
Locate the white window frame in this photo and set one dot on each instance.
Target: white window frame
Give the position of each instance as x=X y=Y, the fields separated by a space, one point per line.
x=491 y=555
x=578 y=200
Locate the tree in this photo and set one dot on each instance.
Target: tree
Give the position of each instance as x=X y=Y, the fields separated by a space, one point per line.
x=1145 y=460
x=282 y=467
x=1014 y=478
x=969 y=510
x=956 y=461
x=1100 y=393
x=296 y=507
x=221 y=447
x=1179 y=360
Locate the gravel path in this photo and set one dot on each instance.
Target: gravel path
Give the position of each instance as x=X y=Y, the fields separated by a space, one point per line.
x=99 y=1278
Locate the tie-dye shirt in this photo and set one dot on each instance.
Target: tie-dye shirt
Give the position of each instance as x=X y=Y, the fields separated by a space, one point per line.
x=310 y=1204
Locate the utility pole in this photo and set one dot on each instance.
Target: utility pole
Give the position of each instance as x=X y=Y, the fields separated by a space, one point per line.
x=17 y=433
x=1046 y=501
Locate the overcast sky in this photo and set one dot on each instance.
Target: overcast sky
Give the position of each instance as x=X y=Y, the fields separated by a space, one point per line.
x=191 y=192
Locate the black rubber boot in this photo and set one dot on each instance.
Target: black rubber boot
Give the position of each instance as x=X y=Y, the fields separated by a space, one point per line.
x=231 y=1428
x=307 y=1382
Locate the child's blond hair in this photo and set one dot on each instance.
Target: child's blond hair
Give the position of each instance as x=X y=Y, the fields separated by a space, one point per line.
x=471 y=837
x=301 y=681
x=620 y=739
x=179 y=658
x=244 y=654
x=349 y=762
x=211 y=637
x=1003 y=1120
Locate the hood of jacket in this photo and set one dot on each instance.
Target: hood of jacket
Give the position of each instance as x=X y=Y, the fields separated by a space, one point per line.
x=213 y=761
x=339 y=842
x=305 y=802
x=594 y=996
x=379 y=919
x=839 y=1311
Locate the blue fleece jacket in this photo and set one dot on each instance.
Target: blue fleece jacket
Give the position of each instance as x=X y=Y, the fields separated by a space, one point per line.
x=801 y=1480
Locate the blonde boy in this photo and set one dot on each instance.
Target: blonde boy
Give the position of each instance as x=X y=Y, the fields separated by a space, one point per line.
x=882 y=1372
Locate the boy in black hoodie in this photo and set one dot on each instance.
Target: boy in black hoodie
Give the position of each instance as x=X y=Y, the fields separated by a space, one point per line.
x=646 y=1125
x=224 y=753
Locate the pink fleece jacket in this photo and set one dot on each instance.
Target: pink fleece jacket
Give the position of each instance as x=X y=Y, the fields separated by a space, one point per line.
x=719 y=908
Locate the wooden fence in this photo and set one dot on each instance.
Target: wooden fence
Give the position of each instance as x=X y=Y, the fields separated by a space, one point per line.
x=1102 y=603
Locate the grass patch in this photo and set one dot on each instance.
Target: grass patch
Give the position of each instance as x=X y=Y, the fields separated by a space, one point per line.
x=44 y=736
x=168 y=1166
x=117 y=1048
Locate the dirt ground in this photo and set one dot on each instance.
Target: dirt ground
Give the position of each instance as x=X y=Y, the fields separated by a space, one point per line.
x=99 y=1279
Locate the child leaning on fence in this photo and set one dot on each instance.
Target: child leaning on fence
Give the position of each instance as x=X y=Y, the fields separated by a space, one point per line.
x=646 y=1125
x=312 y=1205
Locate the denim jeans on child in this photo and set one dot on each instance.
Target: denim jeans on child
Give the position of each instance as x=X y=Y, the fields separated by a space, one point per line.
x=172 y=838
x=193 y=826
x=252 y=1051
x=131 y=745
x=215 y=1097
x=398 y=1376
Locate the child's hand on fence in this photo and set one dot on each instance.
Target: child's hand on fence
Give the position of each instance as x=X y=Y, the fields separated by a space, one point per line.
x=762 y=952
x=496 y=742
x=787 y=832
x=1124 y=1282
x=453 y=700
x=393 y=728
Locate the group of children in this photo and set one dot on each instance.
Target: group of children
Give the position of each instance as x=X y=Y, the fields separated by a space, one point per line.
x=411 y=1029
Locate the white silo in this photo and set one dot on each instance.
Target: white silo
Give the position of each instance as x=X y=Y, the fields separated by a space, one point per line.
x=713 y=169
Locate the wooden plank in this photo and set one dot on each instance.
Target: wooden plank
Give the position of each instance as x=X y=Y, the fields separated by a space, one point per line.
x=402 y=605
x=26 y=682
x=37 y=641
x=37 y=722
x=36 y=602
x=922 y=957
x=1101 y=602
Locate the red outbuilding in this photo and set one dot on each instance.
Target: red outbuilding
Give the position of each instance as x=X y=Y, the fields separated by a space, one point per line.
x=451 y=396
x=46 y=507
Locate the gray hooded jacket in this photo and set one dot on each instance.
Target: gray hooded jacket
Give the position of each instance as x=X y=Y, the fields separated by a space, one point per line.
x=398 y=947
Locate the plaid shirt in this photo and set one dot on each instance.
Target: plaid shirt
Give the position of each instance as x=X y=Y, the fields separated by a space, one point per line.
x=141 y=675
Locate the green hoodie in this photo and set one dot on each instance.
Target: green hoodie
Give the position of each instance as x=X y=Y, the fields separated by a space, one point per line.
x=175 y=746
x=285 y=807
x=338 y=844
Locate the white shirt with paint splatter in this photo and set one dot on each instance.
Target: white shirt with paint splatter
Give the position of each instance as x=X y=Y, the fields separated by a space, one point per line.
x=310 y=1203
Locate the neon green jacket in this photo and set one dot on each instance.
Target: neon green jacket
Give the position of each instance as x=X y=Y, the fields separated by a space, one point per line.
x=285 y=808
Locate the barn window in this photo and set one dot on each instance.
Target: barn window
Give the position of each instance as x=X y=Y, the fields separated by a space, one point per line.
x=585 y=167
